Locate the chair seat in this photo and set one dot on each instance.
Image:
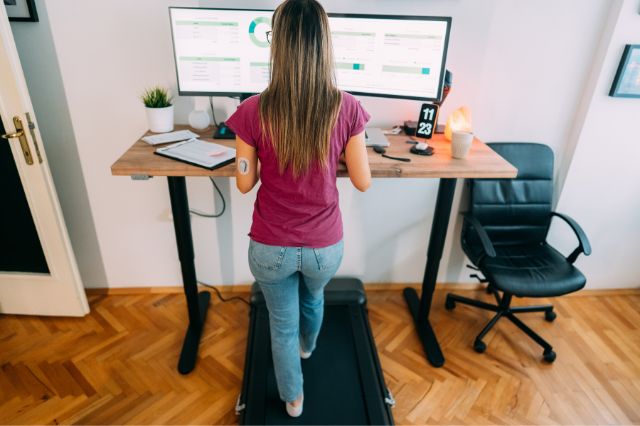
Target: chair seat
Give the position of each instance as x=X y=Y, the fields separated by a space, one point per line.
x=536 y=270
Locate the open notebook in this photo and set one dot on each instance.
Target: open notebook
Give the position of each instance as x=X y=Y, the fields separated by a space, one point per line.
x=199 y=153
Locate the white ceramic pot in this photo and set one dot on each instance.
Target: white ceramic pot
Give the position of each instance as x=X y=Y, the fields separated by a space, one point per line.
x=460 y=144
x=160 y=119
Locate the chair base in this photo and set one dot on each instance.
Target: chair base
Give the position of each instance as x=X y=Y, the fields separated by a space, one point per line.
x=503 y=308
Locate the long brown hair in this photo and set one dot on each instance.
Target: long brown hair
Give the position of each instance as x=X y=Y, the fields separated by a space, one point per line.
x=299 y=108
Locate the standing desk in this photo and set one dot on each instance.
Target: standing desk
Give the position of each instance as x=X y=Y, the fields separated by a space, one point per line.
x=140 y=162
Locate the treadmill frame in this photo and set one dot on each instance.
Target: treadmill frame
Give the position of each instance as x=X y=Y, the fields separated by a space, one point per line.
x=339 y=291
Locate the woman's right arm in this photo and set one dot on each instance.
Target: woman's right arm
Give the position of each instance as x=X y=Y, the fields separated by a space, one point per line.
x=357 y=161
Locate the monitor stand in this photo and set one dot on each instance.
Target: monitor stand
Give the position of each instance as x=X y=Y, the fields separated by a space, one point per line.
x=224 y=132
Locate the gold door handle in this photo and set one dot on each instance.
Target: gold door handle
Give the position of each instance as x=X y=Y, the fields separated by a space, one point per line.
x=19 y=133
x=13 y=135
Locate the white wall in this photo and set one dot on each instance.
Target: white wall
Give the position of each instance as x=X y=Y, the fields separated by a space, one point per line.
x=602 y=183
x=520 y=66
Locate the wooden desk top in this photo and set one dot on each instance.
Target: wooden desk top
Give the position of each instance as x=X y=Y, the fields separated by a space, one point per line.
x=482 y=162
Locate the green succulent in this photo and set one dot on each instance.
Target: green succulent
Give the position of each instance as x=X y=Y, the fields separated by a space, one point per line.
x=156 y=97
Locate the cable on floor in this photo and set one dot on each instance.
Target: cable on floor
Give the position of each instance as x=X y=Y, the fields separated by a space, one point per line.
x=224 y=300
x=212 y=215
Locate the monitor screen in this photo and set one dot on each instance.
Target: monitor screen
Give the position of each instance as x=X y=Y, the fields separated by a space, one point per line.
x=226 y=52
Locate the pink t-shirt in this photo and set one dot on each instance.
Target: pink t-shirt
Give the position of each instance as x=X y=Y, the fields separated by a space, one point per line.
x=302 y=212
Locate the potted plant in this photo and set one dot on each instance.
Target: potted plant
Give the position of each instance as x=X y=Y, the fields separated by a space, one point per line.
x=159 y=109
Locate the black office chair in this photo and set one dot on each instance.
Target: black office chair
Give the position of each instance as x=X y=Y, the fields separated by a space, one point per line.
x=504 y=235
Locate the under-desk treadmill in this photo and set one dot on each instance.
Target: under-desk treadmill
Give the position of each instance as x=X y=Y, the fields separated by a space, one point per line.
x=343 y=381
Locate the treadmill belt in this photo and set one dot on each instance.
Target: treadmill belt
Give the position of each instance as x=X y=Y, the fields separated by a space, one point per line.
x=343 y=382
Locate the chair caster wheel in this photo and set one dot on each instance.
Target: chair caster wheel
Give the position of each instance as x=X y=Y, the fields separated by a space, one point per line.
x=549 y=316
x=549 y=356
x=449 y=304
x=479 y=346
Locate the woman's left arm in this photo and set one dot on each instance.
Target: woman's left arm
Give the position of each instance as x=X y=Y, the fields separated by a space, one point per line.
x=246 y=166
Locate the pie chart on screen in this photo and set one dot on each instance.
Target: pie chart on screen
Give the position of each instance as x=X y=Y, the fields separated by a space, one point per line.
x=258 y=31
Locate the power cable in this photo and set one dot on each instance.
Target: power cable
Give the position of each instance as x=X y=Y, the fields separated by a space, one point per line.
x=212 y=215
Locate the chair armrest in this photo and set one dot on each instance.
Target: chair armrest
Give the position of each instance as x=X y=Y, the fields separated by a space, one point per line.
x=583 y=242
x=487 y=245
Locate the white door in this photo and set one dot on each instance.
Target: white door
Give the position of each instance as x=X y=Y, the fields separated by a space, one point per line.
x=38 y=271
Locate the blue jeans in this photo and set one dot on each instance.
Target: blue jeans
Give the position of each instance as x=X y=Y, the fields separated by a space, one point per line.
x=292 y=280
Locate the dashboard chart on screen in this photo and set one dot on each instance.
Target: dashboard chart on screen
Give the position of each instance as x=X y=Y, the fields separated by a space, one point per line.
x=389 y=56
x=224 y=52
x=221 y=51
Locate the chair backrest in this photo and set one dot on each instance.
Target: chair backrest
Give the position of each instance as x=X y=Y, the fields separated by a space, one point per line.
x=515 y=211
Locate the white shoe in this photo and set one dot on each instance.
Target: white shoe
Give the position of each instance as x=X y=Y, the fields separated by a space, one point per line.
x=304 y=355
x=295 y=411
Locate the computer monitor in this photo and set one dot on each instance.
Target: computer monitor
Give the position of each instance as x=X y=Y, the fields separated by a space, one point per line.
x=225 y=52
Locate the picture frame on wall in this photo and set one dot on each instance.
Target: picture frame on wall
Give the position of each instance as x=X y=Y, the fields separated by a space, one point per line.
x=21 y=10
x=626 y=83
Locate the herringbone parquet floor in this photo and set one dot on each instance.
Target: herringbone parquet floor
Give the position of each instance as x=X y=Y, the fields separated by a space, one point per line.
x=118 y=364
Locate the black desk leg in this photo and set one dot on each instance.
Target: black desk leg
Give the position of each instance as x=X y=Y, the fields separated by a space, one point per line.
x=197 y=304
x=420 y=308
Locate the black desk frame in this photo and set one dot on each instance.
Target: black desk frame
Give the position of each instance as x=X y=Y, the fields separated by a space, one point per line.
x=421 y=307
x=198 y=303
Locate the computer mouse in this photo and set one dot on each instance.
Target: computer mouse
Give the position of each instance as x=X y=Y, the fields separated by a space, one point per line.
x=379 y=149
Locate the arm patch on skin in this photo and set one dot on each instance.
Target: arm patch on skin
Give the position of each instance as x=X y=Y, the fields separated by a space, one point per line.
x=243 y=166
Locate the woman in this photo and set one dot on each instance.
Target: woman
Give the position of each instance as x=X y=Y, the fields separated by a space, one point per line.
x=297 y=129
